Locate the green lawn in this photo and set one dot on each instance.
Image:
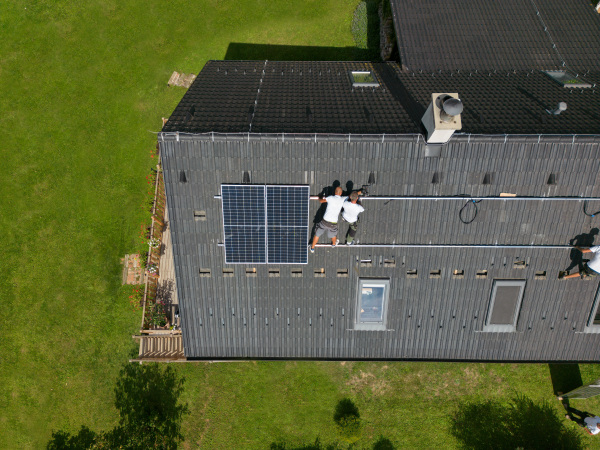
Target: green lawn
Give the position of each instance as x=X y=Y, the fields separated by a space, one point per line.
x=83 y=88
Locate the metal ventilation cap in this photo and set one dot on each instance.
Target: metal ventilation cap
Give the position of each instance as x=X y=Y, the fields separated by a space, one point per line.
x=562 y=106
x=449 y=107
x=453 y=106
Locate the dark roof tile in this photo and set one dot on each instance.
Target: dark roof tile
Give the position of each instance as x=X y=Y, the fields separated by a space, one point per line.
x=503 y=35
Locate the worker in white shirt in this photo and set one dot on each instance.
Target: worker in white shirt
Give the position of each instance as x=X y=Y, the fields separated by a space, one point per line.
x=329 y=224
x=590 y=268
x=350 y=211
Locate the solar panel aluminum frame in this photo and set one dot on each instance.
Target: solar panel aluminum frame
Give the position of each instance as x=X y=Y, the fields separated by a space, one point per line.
x=266 y=223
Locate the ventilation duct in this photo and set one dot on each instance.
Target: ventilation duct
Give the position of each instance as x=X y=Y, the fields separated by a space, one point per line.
x=442 y=118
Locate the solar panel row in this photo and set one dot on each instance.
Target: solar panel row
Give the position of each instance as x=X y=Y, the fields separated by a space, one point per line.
x=265 y=224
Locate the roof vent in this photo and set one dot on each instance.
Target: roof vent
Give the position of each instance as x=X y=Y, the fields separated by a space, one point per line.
x=442 y=117
x=562 y=106
x=190 y=114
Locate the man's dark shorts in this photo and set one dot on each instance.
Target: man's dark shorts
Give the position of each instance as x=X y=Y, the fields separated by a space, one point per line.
x=324 y=226
x=589 y=272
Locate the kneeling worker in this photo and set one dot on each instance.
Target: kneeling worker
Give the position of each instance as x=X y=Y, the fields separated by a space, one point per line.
x=351 y=210
x=590 y=268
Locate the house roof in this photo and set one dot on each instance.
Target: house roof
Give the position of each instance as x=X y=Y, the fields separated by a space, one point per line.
x=506 y=35
x=318 y=97
x=245 y=315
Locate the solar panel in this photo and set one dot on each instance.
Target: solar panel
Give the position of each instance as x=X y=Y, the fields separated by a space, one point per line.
x=265 y=224
x=244 y=224
x=287 y=224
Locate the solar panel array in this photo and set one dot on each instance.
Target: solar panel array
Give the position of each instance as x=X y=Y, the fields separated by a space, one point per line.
x=265 y=224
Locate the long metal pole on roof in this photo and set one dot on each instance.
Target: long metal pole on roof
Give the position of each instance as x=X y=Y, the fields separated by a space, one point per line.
x=316 y=197
x=447 y=246
x=450 y=197
x=221 y=244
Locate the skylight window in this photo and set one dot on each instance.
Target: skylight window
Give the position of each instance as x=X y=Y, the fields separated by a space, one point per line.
x=505 y=304
x=372 y=300
x=363 y=79
x=593 y=325
x=566 y=79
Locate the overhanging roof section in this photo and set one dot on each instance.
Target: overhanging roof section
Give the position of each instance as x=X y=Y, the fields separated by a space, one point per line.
x=497 y=35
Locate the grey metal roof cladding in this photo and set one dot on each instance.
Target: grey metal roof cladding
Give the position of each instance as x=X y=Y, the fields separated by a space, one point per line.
x=506 y=35
x=428 y=318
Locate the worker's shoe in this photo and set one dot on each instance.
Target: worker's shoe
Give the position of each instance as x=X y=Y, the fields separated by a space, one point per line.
x=562 y=274
x=349 y=242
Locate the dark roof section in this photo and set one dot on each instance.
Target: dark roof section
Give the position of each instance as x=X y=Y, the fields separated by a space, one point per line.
x=318 y=97
x=508 y=102
x=291 y=97
x=497 y=35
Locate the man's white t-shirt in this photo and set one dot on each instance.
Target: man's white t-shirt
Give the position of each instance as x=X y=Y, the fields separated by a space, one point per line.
x=594 y=263
x=351 y=211
x=592 y=424
x=334 y=206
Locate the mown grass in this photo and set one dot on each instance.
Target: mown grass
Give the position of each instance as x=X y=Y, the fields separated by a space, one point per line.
x=83 y=85
x=254 y=404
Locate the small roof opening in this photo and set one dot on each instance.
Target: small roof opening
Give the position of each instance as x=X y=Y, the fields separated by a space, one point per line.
x=567 y=79
x=363 y=79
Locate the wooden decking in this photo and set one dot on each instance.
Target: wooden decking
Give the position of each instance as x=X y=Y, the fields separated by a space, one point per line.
x=163 y=345
x=160 y=348
x=166 y=276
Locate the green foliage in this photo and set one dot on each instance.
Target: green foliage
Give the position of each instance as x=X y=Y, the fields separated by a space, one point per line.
x=522 y=423
x=156 y=314
x=61 y=440
x=365 y=28
x=147 y=398
x=360 y=23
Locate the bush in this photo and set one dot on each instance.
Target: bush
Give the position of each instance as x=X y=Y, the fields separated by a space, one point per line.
x=360 y=23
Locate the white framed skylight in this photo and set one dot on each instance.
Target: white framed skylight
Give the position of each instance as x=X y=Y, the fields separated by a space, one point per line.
x=566 y=79
x=505 y=305
x=371 y=304
x=593 y=323
x=363 y=78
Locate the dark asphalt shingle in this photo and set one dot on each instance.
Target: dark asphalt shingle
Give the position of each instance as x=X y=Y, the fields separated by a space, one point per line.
x=503 y=35
x=318 y=97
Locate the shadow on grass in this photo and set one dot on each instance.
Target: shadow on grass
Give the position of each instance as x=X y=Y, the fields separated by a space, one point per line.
x=345 y=410
x=565 y=377
x=381 y=444
x=519 y=424
x=245 y=51
x=240 y=51
x=147 y=398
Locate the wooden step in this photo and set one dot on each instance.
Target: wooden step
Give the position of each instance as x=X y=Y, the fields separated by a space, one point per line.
x=161 y=348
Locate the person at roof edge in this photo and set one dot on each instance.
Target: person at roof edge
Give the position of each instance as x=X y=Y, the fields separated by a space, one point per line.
x=590 y=268
x=329 y=224
x=350 y=211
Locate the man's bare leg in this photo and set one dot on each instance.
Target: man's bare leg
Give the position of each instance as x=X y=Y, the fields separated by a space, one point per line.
x=314 y=242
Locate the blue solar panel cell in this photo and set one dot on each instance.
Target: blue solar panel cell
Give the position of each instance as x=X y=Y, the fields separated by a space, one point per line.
x=245 y=211
x=287 y=205
x=287 y=245
x=244 y=224
x=245 y=245
x=243 y=205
